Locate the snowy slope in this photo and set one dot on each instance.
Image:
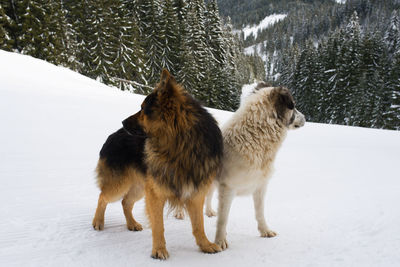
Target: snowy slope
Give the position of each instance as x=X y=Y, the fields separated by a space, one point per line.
x=265 y=23
x=334 y=199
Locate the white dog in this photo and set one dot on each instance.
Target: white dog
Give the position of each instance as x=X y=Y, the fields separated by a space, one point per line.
x=252 y=138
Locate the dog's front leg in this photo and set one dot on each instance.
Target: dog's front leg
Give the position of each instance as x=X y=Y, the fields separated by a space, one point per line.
x=258 y=197
x=195 y=209
x=225 y=197
x=154 y=208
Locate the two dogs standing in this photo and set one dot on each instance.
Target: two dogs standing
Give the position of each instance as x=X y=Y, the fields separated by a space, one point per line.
x=172 y=150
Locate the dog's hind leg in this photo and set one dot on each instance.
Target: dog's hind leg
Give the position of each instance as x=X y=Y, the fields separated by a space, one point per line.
x=134 y=194
x=225 y=197
x=195 y=209
x=98 y=220
x=209 y=210
x=155 y=202
x=258 y=198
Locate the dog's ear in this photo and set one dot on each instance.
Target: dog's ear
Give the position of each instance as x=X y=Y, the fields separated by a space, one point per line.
x=286 y=98
x=164 y=76
x=166 y=87
x=283 y=100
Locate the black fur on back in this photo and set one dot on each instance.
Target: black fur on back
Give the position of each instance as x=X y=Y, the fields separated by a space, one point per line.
x=123 y=149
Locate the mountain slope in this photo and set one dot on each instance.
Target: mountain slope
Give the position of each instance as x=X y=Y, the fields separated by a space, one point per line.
x=333 y=199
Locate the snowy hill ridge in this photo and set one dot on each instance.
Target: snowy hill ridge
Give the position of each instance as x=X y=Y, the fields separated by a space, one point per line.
x=265 y=23
x=333 y=199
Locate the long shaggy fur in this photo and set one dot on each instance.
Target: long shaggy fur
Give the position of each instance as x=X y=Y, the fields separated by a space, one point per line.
x=254 y=131
x=178 y=149
x=184 y=146
x=252 y=138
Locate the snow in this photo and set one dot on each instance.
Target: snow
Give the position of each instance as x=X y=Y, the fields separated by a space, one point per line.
x=340 y=1
x=265 y=23
x=256 y=49
x=334 y=198
x=247 y=89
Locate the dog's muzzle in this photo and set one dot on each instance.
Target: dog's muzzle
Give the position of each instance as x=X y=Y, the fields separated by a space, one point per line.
x=299 y=120
x=131 y=125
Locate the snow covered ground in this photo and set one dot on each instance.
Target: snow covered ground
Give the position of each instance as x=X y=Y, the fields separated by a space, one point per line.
x=334 y=198
x=265 y=23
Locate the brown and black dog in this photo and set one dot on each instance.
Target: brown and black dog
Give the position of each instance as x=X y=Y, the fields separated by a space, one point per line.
x=171 y=148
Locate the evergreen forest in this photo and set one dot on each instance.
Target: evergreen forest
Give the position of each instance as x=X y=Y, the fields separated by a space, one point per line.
x=126 y=43
x=341 y=61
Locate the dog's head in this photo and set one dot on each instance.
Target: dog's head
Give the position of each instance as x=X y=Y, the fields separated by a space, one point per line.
x=160 y=109
x=284 y=107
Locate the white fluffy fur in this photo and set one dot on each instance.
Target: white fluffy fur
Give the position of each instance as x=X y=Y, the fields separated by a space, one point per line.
x=252 y=138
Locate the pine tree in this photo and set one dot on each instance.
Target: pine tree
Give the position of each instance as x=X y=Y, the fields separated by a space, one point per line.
x=170 y=43
x=152 y=32
x=319 y=87
x=232 y=74
x=392 y=35
x=181 y=9
x=55 y=26
x=370 y=97
x=13 y=22
x=392 y=116
x=34 y=39
x=218 y=74
x=214 y=33
x=288 y=67
x=96 y=46
x=103 y=44
x=330 y=77
x=197 y=52
x=5 y=38
x=348 y=66
x=129 y=62
x=304 y=81
x=62 y=35
x=81 y=35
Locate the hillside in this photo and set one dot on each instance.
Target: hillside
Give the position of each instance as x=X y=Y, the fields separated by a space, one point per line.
x=340 y=58
x=332 y=200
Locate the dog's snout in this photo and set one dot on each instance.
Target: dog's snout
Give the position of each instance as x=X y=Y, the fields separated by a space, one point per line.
x=131 y=124
x=299 y=120
x=126 y=126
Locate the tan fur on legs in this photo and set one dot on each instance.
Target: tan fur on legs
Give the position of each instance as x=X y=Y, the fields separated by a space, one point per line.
x=195 y=209
x=114 y=186
x=155 y=201
x=98 y=220
x=134 y=194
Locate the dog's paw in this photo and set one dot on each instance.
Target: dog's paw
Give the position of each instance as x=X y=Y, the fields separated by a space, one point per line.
x=211 y=213
x=268 y=233
x=211 y=248
x=98 y=224
x=134 y=227
x=179 y=214
x=222 y=243
x=160 y=254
